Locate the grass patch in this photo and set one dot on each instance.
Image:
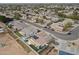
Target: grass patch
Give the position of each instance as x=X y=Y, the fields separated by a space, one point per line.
x=17 y=33
x=35 y=48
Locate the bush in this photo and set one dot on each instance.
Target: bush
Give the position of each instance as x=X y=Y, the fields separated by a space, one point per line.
x=35 y=48
x=2 y=18
x=74 y=17
x=10 y=26
x=62 y=15
x=17 y=16
x=17 y=33
x=67 y=25
x=5 y=19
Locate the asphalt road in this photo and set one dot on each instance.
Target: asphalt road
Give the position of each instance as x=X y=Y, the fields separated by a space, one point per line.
x=73 y=36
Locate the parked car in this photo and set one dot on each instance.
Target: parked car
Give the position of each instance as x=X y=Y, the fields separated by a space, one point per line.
x=69 y=33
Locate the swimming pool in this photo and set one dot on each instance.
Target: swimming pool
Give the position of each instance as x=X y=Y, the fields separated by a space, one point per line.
x=64 y=53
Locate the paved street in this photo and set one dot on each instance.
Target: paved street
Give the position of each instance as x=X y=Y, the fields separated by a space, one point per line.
x=73 y=36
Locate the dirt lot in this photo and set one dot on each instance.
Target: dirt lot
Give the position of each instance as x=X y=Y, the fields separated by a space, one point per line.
x=10 y=46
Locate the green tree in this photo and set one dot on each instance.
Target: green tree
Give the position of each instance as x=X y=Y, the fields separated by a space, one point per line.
x=10 y=26
x=2 y=18
x=67 y=25
x=75 y=12
x=39 y=20
x=17 y=16
x=62 y=15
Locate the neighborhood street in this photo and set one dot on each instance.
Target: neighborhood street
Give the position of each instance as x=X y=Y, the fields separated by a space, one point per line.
x=73 y=36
